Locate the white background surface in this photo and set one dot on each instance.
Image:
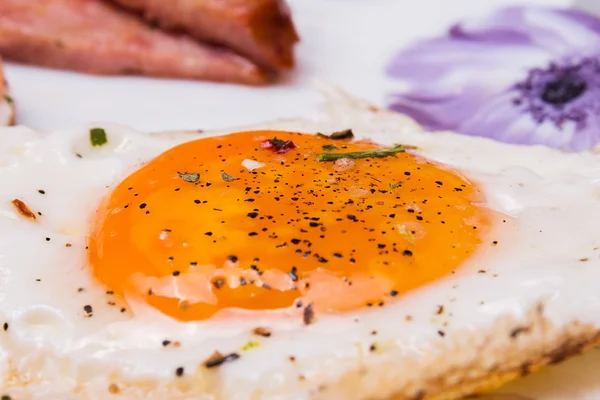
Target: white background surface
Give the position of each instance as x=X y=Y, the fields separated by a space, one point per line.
x=345 y=42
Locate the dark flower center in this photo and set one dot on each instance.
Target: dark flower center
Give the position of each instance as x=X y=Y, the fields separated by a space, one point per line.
x=561 y=92
x=564 y=89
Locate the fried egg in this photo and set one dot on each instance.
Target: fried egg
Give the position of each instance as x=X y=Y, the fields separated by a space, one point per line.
x=346 y=256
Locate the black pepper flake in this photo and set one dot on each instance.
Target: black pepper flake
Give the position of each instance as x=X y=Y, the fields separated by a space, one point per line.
x=252 y=233
x=179 y=371
x=232 y=259
x=176 y=273
x=293 y=274
x=87 y=308
x=165 y=343
x=143 y=205
x=217 y=359
x=308 y=316
x=208 y=233
x=441 y=333
x=313 y=224
x=253 y=214
x=218 y=283
x=41 y=191
x=394 y=293
x=407 y=253
x=5 y=326
x=296 y=241
x=372 y=348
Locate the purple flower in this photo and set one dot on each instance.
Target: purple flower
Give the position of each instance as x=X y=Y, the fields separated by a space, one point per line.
x=520 y=75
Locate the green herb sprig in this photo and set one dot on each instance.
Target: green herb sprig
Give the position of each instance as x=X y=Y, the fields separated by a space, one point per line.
x=376 y=153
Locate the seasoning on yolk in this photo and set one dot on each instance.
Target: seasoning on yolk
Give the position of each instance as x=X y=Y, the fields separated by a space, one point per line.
x=292 y=231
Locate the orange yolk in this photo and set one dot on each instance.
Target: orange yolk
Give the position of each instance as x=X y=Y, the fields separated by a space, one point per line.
x=198 y=230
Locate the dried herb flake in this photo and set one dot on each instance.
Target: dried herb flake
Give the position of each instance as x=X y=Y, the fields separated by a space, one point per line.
x=189 y=177
x=226 y=177
x=340 y=135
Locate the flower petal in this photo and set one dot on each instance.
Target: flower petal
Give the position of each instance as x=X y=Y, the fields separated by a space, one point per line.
x=438 y=111
x=444 y=65
x=560 y=31
x=499 y=119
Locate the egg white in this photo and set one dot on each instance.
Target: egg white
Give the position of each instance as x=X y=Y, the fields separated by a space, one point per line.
x=53 y=348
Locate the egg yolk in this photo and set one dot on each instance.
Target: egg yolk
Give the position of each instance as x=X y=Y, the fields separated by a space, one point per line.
x=246 y=221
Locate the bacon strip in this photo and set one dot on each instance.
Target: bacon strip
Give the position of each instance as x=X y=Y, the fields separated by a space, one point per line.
x=96 y=37
x=261 y=30
x=7 y=107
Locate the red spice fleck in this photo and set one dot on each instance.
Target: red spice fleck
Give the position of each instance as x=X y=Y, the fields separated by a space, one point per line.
x=278 y=146
x=24 y=210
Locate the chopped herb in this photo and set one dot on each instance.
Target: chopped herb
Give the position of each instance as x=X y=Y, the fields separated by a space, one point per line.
x=376 y=153
x=277 y=142
x=345 y=134
x=189 y=177
x=217 y=359
x=250 y=345
x=98 y=137
x=8 y=99
x=226 y=177
x=329 y=147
